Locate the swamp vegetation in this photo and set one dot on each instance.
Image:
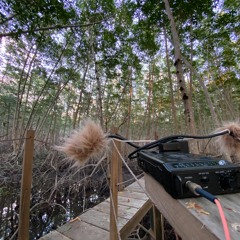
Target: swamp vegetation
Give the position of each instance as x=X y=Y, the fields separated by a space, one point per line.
x=150 y=69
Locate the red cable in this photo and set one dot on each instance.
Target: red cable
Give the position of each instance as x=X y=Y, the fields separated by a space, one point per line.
x=224 y=222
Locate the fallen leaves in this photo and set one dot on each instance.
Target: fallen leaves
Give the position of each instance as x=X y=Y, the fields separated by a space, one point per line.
x=75 y=219
x=196 y=207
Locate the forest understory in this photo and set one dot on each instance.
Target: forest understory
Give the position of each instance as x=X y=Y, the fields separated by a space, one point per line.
x=59 y=193
x=148 y=69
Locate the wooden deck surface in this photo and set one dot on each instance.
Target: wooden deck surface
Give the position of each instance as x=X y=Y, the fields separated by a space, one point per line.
x=202 y=221
x=94 y=224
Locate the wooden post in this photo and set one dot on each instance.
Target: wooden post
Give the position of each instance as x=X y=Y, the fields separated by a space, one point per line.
x=119 y=147
x=157 y=219
x=120 y=175
x=23 y=228
x=158 y=224
x=114 y=189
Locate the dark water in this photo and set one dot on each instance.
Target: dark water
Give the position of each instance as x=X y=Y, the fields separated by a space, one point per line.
x=50 y=208
x=45 y=216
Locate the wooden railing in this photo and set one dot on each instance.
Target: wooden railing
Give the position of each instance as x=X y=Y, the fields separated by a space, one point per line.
x=26 y=183
x=116 y=178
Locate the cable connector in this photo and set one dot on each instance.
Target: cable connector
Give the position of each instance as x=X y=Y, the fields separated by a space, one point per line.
x=197 y=190
x=193 y=187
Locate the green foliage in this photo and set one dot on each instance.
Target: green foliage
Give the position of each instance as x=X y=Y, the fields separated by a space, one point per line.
x=33 y=15
x=58 y=86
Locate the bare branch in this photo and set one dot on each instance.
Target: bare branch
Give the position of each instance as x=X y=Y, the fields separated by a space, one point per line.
x=8 y=19
x=20 y=32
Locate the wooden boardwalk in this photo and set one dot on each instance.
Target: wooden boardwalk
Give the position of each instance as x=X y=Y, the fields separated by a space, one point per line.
x=196 y=218
x=133 y=204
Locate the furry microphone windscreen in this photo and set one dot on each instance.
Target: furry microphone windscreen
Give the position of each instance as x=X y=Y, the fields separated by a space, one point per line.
x=230 y=143
x=89 y=142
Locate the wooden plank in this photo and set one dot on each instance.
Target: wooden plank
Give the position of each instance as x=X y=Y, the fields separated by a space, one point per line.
x=133 y=222
x=126 y=212
x=102 y=207
x=54 y=235
x=136 y=188
x=136 y=195
x=82 y=230
x=231 y=208
x=100 y=219
x=123 y=211
x=136 y=184
x=141 y=180
x=130 y=202
x=186 y=224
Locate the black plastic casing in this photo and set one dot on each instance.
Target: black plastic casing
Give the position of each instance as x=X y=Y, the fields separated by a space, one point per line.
x=173 y=169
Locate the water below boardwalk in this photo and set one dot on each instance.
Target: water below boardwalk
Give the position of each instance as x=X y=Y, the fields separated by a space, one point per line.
x=59 y=192
x=45 y=216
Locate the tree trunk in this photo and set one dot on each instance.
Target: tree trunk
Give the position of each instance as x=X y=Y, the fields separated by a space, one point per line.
x=40 y=124
x=205 y=90
x=173 y=107
x=129 y=102
x=149 y=99
x=191 y=80
x=28 y=91
x=80 y=96
x=67 y=115
x=33 y=112
x=188 y=112
x=99 y=90
x=16 y=130
x=97 y=76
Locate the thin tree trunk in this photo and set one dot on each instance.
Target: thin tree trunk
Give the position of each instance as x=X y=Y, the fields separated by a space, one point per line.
x=28 y=90
x=80 y=96
x=97 y=76
x=33 y=111
x=50 y=107
x=129 y=102
x=191 y=72
x=7 y=126
x=66 y=118
x=195 y=144
x=188 y=112
x=173 y=107
x=47 y=134
x=228 y=101
x=99 y=90
x=87 y=107
x=205 y=90
x=149 y=99
x=16 y=129
x=54 y=132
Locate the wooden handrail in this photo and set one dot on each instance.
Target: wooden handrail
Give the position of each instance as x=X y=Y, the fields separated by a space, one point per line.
x=115 y=178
